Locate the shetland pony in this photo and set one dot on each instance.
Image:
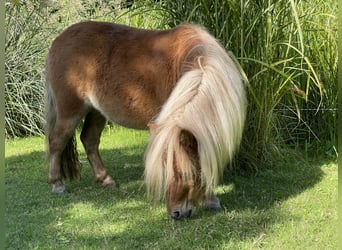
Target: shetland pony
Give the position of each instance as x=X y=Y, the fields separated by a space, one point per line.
x=179 y=83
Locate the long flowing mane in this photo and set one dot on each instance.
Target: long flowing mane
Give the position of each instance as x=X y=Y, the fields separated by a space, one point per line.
x=209 y=102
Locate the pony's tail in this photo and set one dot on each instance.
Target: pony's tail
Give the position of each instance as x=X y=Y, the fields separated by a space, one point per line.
x=69 y=159
x=209 y=102
x=70 y=165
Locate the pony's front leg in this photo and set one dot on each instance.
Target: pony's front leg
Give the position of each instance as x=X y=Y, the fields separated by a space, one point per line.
x=90 y=136
x=212 y=202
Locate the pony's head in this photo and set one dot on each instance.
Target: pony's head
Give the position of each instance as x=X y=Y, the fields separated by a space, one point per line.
x=176 y=175
x=185 y=188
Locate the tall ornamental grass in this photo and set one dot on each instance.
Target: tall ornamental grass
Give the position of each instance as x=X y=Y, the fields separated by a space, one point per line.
x=24 y=54
x=286 y=48
x=288 y=51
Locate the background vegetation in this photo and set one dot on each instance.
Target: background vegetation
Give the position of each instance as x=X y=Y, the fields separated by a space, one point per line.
x=287 y=49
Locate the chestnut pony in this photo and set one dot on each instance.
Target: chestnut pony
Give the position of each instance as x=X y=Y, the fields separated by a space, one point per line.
x=179 y=83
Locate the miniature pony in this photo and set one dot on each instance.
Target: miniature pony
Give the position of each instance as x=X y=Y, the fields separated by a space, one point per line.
x=179 y=83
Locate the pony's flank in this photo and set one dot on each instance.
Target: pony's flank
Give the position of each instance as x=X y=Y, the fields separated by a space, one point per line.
x=209 y=102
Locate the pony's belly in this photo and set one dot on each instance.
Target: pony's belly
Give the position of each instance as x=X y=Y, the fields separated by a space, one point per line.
x=128 y=121
x=128 y=112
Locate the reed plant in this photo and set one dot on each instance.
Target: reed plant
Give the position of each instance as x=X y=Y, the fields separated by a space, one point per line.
x=288 y=52
x=24 y=53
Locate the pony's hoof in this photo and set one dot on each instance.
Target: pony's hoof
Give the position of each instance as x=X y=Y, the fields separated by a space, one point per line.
x=214 y=208
x=213 y=204
x=108 y=182
x=58 y=189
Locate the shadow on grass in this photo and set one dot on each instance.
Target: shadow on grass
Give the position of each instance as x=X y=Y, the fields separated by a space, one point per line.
x=123 y=219
x=266 y=188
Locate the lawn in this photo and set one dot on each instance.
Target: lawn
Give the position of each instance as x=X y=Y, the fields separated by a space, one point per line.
x=292 y=205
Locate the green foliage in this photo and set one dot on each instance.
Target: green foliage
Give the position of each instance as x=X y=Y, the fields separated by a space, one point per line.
x=287 y=49
x=24 y=92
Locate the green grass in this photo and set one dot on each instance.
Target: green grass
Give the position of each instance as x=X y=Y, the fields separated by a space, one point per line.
x=293 y=205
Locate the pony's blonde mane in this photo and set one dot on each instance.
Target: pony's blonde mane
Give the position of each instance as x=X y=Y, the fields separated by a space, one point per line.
x=209 y=102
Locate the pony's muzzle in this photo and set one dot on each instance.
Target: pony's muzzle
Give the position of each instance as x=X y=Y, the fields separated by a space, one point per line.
x=177 y=215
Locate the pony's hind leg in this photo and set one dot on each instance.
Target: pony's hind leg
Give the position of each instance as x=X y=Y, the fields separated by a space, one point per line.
x=90 y=136
x=62 y=153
